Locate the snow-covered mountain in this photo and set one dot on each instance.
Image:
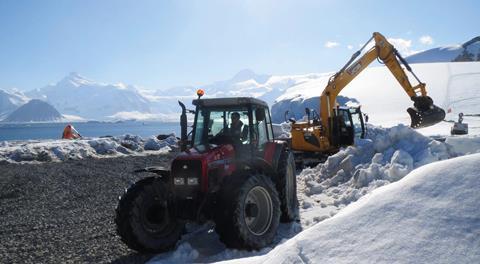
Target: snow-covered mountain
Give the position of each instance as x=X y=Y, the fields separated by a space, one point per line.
x=468 y=51
x=76 y=95
x=244 y=83
x=34 y=111
x=9 y=101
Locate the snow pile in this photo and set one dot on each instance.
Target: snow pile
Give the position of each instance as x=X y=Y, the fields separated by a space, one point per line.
x=153 y=143
x=281 y=131
x=430 y=216
x=60 y=150
x=387 y=155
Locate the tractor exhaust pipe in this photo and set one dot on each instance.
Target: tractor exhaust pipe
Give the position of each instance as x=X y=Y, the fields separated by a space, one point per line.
x=424 y=113
x=183 y=127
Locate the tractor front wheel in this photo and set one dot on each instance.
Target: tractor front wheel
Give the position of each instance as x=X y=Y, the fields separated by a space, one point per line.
x=145 y=218
x=249 y=212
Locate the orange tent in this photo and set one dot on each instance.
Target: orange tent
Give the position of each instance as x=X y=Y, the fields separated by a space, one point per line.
x=70 y=133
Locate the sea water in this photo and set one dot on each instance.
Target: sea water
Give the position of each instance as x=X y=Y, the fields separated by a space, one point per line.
x=26 y=131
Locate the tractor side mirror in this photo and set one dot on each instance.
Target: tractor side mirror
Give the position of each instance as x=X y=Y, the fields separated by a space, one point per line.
x=366 y=117
x=260 y=114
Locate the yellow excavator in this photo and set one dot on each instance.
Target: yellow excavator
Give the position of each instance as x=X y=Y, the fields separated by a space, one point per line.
x=323 y=134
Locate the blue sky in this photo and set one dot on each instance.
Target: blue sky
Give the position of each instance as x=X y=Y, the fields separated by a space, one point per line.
x=159 y=44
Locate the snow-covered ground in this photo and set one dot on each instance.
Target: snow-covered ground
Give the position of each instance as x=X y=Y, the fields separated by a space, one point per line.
x=60 y=150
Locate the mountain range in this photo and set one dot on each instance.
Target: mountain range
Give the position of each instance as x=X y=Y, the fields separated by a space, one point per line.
x=468 y=51
x=77 y=97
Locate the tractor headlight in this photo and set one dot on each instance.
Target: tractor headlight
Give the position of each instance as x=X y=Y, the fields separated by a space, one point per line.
x=179 y=181
x=192 y=181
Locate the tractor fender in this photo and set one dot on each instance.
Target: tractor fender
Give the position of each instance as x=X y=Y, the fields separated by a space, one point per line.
x=159 y=170
x=257 y=163
x=280 y=147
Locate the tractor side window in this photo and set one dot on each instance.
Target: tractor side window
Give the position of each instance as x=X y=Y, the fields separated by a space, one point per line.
x=269 y=124
x=199 y=137
x=260 y=127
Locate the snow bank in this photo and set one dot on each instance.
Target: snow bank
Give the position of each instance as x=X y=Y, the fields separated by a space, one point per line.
x=60 y=150
x=431 y=216
x=387 y=155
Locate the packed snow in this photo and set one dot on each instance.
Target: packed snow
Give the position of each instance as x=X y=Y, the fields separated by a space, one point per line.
x=430 y=216
x=32 y=151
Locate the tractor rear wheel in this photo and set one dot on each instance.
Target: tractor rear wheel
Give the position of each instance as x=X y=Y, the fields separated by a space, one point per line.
x=249 y=212
x=287 y=187
x=145 y=218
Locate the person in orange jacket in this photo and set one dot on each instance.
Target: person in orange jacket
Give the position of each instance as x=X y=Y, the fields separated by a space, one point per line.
x=70 y=133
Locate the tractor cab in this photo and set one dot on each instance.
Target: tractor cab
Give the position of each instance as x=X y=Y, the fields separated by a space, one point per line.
x=243 y=123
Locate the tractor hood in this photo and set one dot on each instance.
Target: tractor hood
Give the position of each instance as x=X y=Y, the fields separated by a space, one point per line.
x=208 y=152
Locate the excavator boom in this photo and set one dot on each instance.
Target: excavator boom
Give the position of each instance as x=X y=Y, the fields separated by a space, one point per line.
x=424 y=113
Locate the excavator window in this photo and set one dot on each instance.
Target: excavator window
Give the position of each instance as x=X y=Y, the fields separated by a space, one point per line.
x=358 y=123
x=345 y=129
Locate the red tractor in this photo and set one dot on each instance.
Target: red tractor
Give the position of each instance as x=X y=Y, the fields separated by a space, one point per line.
x=231 y=171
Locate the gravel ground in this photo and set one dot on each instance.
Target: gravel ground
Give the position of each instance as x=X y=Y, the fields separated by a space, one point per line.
x=63 y=212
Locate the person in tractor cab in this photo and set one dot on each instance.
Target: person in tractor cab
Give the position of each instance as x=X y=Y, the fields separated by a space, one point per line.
x=236 y=132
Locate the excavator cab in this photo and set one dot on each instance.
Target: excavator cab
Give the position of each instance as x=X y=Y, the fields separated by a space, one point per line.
x=348 y=124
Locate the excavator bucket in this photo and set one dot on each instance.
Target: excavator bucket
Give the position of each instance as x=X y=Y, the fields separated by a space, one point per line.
x=424 y=113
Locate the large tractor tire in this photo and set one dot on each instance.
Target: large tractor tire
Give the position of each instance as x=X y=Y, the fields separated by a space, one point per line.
x=249 y=212
x=287 y=187
x=145 y=218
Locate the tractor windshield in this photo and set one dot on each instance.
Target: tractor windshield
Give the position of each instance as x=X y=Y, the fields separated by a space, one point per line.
x=217 y=126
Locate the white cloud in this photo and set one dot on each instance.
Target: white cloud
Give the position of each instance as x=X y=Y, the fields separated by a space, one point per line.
x=426 y=40
x=349 y=47
x=331 y=44
x=402 y=45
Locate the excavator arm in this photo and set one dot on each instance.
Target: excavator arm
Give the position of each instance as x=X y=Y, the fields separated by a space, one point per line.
x=424 y=113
